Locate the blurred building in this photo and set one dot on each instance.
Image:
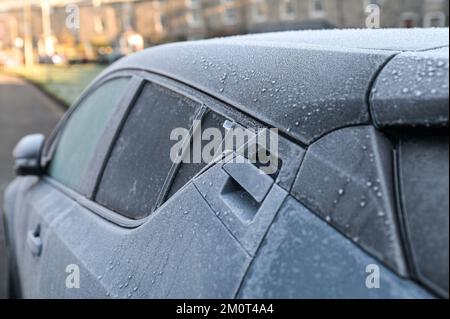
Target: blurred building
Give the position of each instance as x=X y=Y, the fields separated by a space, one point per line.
x=132 y=24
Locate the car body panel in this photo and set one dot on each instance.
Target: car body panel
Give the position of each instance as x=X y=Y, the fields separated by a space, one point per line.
x=302 y=257
x=412 y=90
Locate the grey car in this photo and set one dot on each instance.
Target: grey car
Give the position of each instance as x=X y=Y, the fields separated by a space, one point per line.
x=358 y=206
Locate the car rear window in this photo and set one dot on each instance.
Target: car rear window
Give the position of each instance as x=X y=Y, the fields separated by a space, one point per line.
x=140 y=160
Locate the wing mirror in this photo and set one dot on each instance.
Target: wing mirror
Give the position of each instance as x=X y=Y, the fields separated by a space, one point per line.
x=27 y=155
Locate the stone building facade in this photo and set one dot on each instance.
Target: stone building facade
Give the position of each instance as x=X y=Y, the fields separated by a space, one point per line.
x=159 y=21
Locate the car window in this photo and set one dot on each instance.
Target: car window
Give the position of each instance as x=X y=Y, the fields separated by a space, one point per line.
x=140 y=160
x=188 y=168
x=423 y=162
x=83 y=131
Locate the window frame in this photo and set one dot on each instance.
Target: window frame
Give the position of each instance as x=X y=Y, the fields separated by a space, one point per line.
x=107 y=137
x=429 y=16
x=284 y=14
x=317 y=14
x=206 y=101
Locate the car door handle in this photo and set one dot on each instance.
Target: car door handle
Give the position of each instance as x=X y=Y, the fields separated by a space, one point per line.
x=34 y=241
x=249 y=178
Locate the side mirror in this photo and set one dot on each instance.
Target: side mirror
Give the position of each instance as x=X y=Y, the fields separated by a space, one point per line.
x=27 y=155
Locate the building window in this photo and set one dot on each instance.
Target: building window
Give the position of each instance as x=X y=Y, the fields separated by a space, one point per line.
x=287 y=10
x=195 y=19
x=193 y=3
x=434 y=19
x=229 y=15
x=99 y=24
x=317 y=8
x=160 y=22
x=408 y=20
x=259 y=11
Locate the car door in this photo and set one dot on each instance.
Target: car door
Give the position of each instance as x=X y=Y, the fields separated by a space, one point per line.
x=149 y=230
x=43 y=202
x=121 y=240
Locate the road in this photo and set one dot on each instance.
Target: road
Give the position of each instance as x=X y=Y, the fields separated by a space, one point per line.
x=23 y=110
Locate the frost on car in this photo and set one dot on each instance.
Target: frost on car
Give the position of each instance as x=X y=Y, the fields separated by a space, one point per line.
x=356 y=208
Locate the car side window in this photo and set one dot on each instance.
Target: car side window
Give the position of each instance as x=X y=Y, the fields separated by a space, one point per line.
x=189 y=167
x=140 y=160
x=82 y=132
x=423 y=171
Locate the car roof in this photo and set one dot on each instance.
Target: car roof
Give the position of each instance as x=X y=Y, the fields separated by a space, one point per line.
x=306 y=83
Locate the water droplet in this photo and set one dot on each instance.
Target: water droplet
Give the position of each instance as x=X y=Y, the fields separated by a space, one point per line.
x=362 y=204
x=405 y=90
x=369 y=184
x=185 y=212
x=328 y=218
x=99 y=277
x=341 y=192
x=380 y=213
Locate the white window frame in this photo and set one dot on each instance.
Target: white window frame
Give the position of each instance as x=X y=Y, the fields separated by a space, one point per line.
x=256 y=17
x=315 y=14
x=193 y=23
x=284 y=15
x=433 y=15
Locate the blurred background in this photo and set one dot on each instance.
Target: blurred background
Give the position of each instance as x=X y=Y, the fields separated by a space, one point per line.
x=85 y=35
x=50 y=50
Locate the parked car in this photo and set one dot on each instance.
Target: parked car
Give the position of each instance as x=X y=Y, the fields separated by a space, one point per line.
x=357 y=207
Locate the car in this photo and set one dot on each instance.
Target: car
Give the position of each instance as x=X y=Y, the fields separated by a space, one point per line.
x=355 y=204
